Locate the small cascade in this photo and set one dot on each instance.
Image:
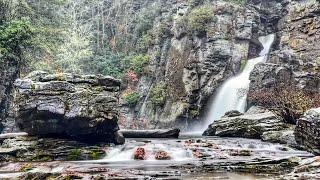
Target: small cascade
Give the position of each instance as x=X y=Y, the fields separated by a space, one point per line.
x=233 y=93
x=176 y=151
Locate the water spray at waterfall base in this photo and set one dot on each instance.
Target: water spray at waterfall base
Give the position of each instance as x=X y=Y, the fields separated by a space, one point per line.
x=233 y=93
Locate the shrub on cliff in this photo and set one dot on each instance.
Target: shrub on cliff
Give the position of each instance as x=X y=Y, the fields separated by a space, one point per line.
x=198 y=20
x=107 y=64
x=288 y=102
x=132 y=98
x=138 y=63
x=158 y=94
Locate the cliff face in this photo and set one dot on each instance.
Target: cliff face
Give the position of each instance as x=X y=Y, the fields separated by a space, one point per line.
x=9 y=72
x=190 y=67
x=195 y=45
x=295 y=59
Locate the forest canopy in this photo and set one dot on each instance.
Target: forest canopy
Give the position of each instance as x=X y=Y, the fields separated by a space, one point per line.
x=82 y=36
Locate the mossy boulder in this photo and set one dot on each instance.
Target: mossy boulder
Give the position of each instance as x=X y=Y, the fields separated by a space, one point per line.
x=67 y=105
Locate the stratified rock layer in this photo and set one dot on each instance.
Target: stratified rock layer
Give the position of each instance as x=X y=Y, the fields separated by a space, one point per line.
x=67 y=105
x=307 y=132
x=249 y=125
x=28 y=149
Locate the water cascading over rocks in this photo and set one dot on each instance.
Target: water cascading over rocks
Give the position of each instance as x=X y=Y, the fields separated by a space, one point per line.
x=233 y=93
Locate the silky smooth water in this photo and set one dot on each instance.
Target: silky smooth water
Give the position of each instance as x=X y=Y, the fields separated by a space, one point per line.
x=233 y=93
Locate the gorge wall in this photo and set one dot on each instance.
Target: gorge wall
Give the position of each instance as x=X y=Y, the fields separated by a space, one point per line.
x=9 y=72
x=194 y=46
x=295 y=58
x=188 y=66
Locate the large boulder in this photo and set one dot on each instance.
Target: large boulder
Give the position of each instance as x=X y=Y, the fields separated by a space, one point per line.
x=249 y=125
x=307 y=132
x=83 y=107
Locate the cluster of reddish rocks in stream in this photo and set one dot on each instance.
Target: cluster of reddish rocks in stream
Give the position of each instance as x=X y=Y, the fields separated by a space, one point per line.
x=140 y=154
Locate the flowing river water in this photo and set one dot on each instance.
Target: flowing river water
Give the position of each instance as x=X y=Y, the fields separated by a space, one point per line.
x=191 y=157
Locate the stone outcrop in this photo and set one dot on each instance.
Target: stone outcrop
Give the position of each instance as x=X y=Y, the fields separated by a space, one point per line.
x=67 y=105
x=307 y=131
x=307 y=169
x=33 y=149
x=296 y=57
x=282 y=137
x=299 y=31
x=9 y=72
x=248 y=125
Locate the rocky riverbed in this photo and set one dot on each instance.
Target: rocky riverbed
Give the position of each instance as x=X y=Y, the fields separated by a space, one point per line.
x=187 y=157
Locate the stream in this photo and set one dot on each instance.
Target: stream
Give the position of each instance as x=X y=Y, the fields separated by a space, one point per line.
x=191 y=157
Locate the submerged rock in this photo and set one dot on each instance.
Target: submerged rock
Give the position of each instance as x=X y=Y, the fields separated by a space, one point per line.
x=307 y=131
x=67 y=105
x=249 y=125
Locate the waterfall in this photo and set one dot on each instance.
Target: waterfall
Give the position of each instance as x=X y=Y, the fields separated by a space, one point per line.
x=233 y=93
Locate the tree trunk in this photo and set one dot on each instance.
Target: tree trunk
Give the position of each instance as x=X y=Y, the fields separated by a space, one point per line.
x=156 y=133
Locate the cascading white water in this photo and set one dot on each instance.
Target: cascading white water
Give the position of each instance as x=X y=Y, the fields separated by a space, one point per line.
x=233 y=93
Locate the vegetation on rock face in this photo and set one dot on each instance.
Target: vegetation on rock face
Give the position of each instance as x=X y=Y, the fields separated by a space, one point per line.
x=14 y=35
x=287 y=101
x=75 y=154
x=243 y=64
x=138 y=63
x=132 y=98
x=158 y=94
x=198 y=20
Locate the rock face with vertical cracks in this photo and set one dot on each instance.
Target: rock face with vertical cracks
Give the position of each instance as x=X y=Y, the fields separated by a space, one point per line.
x=67 y=105
x=307 y=131
x=9 y=72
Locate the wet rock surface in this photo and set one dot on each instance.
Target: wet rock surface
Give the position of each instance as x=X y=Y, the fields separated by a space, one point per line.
x=252 y=124
x=307 y=169
x=282 y=137
x=139 y=154
x=68 y=105
x=218 y=157
x=307 y=131
x=29 y=149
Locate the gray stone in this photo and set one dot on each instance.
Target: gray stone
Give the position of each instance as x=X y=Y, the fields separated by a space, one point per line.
x=9 y=72
x=307 y=169
x=246 y=125
x=307 y=131
x=28 y=149
x=83 y=107
x=282 y=137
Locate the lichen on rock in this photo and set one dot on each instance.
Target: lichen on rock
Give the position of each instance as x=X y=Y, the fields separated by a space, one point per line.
x=78 y=106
